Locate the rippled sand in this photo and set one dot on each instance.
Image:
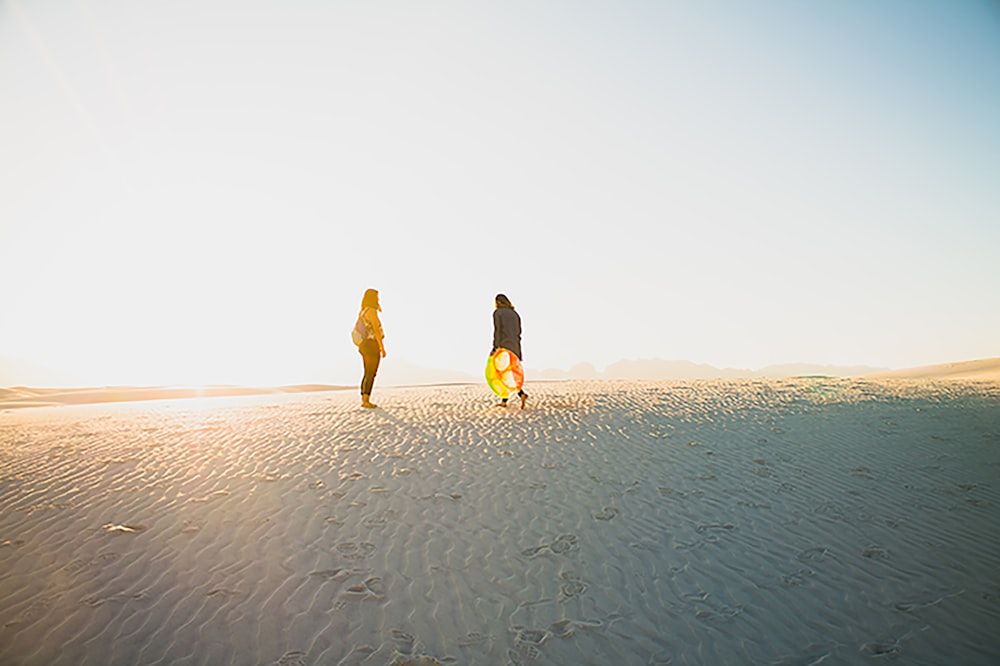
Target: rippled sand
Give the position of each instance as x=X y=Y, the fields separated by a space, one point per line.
x=787 y=522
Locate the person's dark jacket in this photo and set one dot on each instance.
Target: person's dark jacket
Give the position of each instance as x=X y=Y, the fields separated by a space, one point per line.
x=507 y=330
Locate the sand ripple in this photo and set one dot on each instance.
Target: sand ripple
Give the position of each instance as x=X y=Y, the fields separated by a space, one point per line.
x=773 y=522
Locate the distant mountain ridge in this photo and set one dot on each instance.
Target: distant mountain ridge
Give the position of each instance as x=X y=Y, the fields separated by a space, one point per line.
x=660 y=369
x=398 y=372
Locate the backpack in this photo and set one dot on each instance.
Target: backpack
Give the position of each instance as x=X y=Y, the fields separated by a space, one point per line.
x=360 y=331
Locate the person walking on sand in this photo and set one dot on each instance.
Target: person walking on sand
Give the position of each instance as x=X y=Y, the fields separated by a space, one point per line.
x=507 y=334
x=372 y=348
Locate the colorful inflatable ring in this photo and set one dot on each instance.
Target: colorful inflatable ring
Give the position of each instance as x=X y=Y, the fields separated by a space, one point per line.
x=504 y=373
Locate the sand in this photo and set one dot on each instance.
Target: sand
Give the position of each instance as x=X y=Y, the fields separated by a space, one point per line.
x=987 y=369
x=21 y=397
x=715 y=522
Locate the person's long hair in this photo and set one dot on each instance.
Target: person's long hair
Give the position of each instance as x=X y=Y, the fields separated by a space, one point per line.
x=503 y=302
x=370 y=300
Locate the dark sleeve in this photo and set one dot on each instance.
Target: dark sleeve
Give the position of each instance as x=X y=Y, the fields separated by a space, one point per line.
x=497 y=329
x=520 y=354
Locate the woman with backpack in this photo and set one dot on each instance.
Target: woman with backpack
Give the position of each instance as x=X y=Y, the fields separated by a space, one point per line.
x=507 y=334
x=371 y=348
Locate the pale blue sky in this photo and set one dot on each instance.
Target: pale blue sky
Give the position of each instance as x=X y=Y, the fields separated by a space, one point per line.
x=201 y=191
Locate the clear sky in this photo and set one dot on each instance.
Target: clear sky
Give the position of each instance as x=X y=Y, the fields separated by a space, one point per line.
x=200 y=191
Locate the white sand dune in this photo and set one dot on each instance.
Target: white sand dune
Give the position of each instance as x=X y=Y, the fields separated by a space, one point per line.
x=980 y=370
x=714 y=522
x=23 y=397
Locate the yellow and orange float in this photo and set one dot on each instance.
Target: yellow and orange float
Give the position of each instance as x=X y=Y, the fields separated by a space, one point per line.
x=504 y=373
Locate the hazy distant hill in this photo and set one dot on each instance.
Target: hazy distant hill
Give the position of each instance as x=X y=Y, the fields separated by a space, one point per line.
x=15 y=372
x=659 y=369
x=398 y=372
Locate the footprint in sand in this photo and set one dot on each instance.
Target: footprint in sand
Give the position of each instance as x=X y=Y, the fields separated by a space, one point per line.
x=562 y=628
x=37 y=609
x=572 y=585
x=607 y=513
x=418 y=660
x=79 y=565
x=563 y=543
x=797 y=578
x=531 y=552
x=292 y=658
x=831 y=510
x=95 y=601
x=718 y=613
x=76 y=566
x=123 y=529
x=474 y=639
x=379 y=519
x=404 y=642
x=190 y=527
x=714 y=527
x=815 y=554
x=875 y=553
x=451 y=497
x=354 y=551
x=566 y=628
x=337 y=574
x=530 y=636
x=209 y=497
x=891 y=649
x=373 y=588
x=527 y=641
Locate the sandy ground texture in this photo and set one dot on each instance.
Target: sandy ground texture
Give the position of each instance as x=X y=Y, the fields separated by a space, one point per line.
x=716 y=522
x=20 y=397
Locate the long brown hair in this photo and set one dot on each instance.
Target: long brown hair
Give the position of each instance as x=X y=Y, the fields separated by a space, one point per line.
x=370 y=300
x=503 y=302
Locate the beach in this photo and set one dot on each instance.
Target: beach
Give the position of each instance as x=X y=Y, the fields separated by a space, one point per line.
x=792 y=521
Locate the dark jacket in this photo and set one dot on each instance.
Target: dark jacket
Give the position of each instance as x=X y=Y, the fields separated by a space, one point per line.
x=507 y=330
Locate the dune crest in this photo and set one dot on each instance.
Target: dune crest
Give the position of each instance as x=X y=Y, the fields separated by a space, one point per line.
x=980 y=370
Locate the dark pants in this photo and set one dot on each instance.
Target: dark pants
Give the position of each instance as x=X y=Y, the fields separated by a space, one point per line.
x=372 y=355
